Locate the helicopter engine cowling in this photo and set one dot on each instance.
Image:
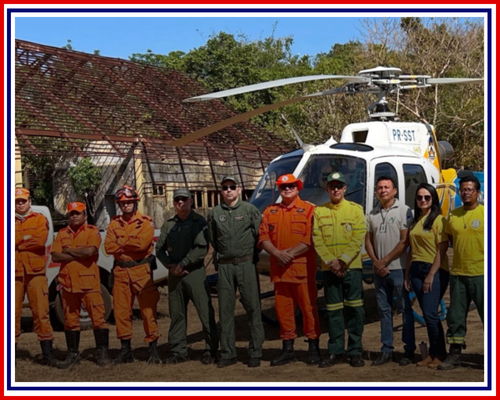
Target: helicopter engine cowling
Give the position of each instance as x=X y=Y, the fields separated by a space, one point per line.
x=445 y=150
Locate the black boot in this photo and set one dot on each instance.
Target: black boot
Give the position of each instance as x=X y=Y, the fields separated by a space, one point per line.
x=101 y=337
x=125 y=355
x=313 y=352
x=286 y=356
x=153 y=353
x=73 y=356
x=452 y=361
x=47 y=354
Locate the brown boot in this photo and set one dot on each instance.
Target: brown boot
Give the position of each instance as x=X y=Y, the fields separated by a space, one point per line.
x=437 y=360
x=425 y=362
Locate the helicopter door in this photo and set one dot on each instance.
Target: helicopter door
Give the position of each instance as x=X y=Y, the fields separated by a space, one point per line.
x=384 y=169
x=414 y=175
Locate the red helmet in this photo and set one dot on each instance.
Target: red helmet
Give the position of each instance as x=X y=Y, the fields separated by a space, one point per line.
x=126 y=193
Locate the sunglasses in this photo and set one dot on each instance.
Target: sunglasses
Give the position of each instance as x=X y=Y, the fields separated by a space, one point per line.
x=179 y=198
x=421 y=198
x=333 y=187
x=227 y=187
x=288 y=186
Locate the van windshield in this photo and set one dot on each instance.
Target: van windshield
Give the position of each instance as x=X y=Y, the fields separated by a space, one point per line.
x=266 y=192
x=317 y=169
x=313 y=177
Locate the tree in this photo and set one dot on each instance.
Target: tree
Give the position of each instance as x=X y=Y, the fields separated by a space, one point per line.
x=85 y=178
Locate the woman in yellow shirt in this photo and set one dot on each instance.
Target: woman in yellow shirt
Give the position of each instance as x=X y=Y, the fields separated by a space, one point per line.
x=427 y=267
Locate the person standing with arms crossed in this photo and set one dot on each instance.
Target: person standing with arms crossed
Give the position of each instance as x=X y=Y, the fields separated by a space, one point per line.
x=129 y=239
x=386 y=243
x=286 y=234
x=338 y=235
x=466 y=229
x=182 y=247
x=76 y=248
x=233 y=229
x=32 y=230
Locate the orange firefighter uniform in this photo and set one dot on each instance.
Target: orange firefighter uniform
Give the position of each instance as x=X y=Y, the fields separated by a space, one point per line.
x=285 y=227
x=31 y=234
x=131 y=243
x=80 y=278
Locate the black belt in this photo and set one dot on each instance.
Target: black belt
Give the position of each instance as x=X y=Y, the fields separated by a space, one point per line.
x=235 y=261
x=134 y=263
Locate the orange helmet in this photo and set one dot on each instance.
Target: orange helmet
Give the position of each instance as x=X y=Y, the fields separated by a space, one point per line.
x=126 y=193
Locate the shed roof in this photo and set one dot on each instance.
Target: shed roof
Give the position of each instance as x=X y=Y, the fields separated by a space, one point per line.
x=73 y=103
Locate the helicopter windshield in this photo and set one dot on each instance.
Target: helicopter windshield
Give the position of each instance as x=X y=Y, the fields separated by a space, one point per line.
x=320 y=166
x=266 y=192
x=314 y=177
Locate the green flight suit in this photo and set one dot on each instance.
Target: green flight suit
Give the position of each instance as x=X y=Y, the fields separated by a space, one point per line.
x=233 y=233
x=185 y=242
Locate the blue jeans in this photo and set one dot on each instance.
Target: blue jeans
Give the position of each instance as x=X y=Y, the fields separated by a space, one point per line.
x=429 y=303
x=386 y=288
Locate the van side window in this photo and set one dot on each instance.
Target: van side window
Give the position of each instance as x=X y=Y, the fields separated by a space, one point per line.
x=384 y=169
x=414 y=175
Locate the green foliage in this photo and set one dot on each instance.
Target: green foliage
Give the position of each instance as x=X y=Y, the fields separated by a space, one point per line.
x=85 y=177
x=439 y=47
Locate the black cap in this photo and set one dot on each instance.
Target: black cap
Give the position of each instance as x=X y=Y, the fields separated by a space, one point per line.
x=184 y=192
x=229 y=178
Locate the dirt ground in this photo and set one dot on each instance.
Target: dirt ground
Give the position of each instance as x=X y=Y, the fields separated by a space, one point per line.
x=29 y=368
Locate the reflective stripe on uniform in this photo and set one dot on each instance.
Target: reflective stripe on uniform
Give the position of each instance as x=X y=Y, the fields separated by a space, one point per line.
x=354 y=303
x=334 y=306
x=455 y=340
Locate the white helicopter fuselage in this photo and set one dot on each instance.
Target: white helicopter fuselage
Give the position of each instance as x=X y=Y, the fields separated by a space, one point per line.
x=366 y=151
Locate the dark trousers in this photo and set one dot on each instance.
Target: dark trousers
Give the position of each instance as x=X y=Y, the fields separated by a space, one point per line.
x=463 y=290
x=344 y=296
x=429 y=303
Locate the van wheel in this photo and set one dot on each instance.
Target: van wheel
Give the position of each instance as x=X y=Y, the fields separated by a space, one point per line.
x=85 y=321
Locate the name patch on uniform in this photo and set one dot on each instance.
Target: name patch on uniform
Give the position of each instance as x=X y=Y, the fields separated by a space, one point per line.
x=301 y=210
x=476 y=224
x=222 y=218
x=238 y=217
x=273 y=211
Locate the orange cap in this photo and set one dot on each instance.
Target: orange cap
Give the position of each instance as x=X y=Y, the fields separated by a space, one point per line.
x=76 y=206
x=289 y=178
x=22 y=193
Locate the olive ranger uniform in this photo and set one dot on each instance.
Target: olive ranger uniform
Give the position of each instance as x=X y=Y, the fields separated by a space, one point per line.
x=185 y=242
x=338 y=233
x=233 y=233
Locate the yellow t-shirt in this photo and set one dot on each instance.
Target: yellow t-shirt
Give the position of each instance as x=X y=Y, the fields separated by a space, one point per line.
x=467 y=230
x=425 y=244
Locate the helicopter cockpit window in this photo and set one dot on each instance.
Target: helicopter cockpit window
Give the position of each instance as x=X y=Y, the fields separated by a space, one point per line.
x=384 y=169
x=320 y=166
x=266 y=192
x=414 y=175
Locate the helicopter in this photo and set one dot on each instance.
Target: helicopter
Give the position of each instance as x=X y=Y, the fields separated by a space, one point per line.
x=409 y=152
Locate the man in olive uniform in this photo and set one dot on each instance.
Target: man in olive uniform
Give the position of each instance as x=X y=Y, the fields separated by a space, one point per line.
x=233 y=229
x=182 y=247
x=338 y=235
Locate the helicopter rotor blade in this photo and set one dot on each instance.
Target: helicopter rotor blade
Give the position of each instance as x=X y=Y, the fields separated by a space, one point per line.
x=191 y=137
x=272 y=84
x=441 y=81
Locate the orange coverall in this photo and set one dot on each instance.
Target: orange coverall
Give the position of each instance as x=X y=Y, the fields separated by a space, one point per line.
x=295 y=282
x=31 y=235
x=80 y=278
x=130 y=241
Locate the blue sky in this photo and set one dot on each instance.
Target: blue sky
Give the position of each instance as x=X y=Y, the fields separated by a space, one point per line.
x=122 y=36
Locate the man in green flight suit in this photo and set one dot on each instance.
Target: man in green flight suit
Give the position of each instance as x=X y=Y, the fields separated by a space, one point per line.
x=233 y=230
x=182 y=247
